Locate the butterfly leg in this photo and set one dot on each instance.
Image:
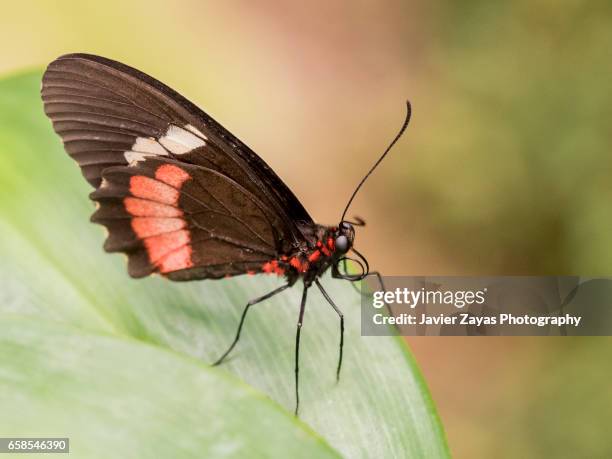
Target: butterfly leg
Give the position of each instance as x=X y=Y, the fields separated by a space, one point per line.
x=333 y=305
x=345 y=267
x=297 y=349
x=243 y=317
x=384 y=289
x=380 y=281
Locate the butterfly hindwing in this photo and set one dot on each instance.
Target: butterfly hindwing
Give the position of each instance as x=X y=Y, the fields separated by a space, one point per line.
x=181 y=220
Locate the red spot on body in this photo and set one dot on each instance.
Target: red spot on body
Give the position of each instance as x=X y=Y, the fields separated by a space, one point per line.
x=153 y=190
x=330 y=243
x=314 y=256
x=172 y=175
x=150 y=226
x=145 y=208
x=301 y=266
x=295 y=263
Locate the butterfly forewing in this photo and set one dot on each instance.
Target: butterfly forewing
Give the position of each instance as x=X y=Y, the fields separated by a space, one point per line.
x=178 y=193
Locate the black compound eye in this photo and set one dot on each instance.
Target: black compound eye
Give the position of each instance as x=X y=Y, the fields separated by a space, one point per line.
x=342 y=244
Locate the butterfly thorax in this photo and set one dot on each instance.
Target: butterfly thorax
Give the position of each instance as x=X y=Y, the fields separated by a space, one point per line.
x=311 y=259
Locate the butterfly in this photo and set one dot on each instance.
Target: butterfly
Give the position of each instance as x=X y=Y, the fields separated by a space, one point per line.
x=184 y=198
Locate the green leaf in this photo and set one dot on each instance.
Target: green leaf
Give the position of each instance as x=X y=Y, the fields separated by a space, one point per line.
x=90 y=353
x=115 y=397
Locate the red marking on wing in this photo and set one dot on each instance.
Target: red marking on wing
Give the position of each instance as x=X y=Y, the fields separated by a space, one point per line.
x=170 y=251
x=314 y=256
x=267 y=267
x=279 y=271
x=153 y=190
x=179 y=259
x=272 y=267
x=172 y=175
x=330 y=243
x=151 y=226
x=162 y=244
x=157 y=218
x=144 y=208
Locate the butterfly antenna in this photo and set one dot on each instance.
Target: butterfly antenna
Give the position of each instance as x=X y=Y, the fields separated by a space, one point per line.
x=397 y=137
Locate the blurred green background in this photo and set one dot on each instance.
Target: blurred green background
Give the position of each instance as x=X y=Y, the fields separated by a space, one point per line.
x=504 y=169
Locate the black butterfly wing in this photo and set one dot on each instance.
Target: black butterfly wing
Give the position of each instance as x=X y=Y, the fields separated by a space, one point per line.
x=109 y=115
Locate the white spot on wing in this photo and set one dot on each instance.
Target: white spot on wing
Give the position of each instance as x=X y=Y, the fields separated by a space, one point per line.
x=180 y=141
x=143 y=147
x=196 y=131
x=134 y=156
x=148 y=145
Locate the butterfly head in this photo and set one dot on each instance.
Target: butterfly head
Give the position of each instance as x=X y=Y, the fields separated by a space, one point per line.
x=344 y=238
x=345 y=235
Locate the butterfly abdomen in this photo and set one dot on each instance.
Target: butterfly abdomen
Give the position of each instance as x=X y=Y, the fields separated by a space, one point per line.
x=306 y=263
